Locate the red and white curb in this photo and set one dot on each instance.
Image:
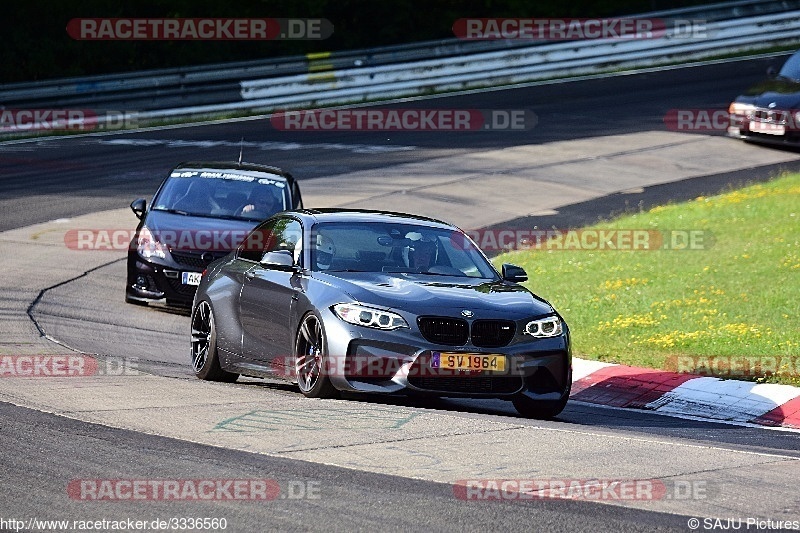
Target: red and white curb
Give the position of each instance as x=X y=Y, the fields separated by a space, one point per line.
x=688 y=395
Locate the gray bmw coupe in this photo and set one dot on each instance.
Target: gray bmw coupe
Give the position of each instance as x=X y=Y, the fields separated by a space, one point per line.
x=365 y=301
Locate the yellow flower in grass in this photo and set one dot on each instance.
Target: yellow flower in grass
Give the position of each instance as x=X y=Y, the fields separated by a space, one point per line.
x=791 y=261
x=672 y=339
x=741 y=329
x=627 y=321
x=612 y=285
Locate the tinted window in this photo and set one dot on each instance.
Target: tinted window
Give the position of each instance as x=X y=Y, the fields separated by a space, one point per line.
x=222 y=194
x=275 y=235
x=791 y=69
x=287 y=235
x=254 y=245
x=399 y=248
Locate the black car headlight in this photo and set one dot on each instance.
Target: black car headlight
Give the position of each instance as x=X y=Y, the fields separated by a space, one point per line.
x=367 y=316
x=544 y=327
x=148 y=246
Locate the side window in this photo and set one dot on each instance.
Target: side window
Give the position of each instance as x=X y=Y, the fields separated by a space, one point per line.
x=287 y=235
x=256 y=243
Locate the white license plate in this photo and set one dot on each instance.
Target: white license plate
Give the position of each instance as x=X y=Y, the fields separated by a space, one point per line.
x=767 y=127
x=191 y=278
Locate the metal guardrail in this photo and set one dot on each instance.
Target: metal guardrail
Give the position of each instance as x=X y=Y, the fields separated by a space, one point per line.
x=407 y=70
x=553 y=60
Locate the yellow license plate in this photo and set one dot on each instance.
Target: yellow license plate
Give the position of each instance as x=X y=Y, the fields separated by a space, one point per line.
x=469 y=361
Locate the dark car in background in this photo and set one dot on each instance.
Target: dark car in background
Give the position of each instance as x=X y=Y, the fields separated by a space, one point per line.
x=769 y=112
x=375 y=302
x=200 y=212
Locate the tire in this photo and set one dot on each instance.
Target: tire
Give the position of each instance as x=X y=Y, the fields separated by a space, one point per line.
x=538 y=409
x=205 y=359
x=311 y=359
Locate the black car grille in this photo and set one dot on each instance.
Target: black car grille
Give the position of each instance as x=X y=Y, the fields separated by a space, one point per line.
x=195 y=259
x=443 y=330
x=770 y=115
x=492 y=333
x=468 y=384
x=456 y=332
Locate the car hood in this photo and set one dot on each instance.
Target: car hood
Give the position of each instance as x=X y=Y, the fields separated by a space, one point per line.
x=783 y=92
x=440 y=294
x=197 y=233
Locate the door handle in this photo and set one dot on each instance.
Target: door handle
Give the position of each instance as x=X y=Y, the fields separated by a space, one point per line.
x=249 y=275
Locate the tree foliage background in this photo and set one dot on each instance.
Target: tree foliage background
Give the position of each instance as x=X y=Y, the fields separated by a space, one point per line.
x=36 y=46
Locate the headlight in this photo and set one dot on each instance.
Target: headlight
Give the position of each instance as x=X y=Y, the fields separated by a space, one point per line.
x=148 y=246
x=544 y=327
x=739 y=108
x=369 y=317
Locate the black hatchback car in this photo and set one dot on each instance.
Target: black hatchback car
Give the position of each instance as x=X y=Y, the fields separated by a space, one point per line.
x=200 y=212
x=769 y=112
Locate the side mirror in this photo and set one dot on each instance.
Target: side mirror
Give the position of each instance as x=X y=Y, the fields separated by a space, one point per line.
x=139 y=206
x=771 y=72
x=514 y=273
x=278 y=260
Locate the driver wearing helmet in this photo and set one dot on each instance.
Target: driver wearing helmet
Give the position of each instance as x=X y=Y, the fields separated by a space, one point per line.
x=421 y=252
x=324 y=251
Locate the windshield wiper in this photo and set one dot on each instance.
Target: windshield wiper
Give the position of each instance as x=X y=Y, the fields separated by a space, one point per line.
x=173 y=211
x=440 y=274
x=232 y=217
x=424 y=273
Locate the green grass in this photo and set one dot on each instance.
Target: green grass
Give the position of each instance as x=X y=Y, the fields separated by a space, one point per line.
x=738 y=297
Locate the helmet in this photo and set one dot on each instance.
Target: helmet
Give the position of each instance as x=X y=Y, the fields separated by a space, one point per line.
x=421 y=251
x=324 y=250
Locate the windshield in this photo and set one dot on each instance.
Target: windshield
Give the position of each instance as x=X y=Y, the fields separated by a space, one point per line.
x=222 y=194
x=396 y=248
x=791 y=69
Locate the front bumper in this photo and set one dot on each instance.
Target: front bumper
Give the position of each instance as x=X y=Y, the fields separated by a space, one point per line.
x=400 y=362
x=782 y=133
x=149 y=281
